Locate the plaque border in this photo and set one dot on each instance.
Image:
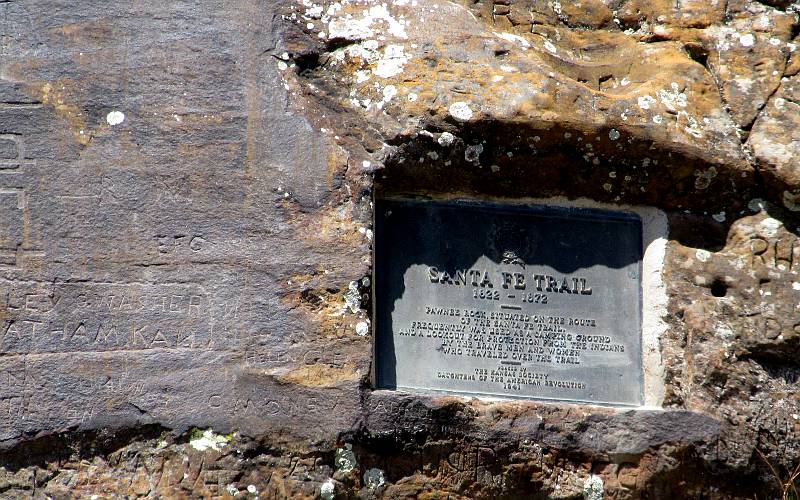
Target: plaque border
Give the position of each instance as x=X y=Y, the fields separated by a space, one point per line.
x=570 y=212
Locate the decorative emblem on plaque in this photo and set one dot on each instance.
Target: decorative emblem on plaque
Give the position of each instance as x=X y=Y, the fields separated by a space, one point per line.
x=510 y=257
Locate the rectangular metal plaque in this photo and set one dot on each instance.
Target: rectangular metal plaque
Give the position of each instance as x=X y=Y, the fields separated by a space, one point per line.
x=513 y=301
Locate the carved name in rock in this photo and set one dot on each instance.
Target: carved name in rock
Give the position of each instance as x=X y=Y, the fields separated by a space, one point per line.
x=533 y=302
x=130 y=295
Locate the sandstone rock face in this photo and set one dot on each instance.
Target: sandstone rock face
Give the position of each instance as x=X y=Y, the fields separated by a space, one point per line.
x=186 y=239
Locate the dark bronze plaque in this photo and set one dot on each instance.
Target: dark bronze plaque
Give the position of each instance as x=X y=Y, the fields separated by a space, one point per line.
x=513 y=301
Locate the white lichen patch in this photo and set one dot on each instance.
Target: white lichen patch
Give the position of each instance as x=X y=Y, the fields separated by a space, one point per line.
x=389 y=92
x=773 y=151
x=672 y=98
x=352 y=298
x=613 y=134
x=373 y=479
x=510 y=37
x=769 y=227
x=645 y=101
x=362 y=75
x=376 y=18
x=391 y=62
x=725 y=331
x=446 y=139
x=344 y=459
x=368 y=235
x=744 y=84
x=720 y=217
x=362 y=328
x=473 y=153
x=327 y=489
x=367 y=51
x=206 y=440
x=703 y=178
x=460 y=111
x=314 y=11
x=723 y=35
x=115 y=118
x=747 y=40
x=692 y=125
x=702 y=255
x=593 y=488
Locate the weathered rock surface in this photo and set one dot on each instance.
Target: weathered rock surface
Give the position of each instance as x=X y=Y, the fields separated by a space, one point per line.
x=150 y=205
x=775 y=141
x=185 y=244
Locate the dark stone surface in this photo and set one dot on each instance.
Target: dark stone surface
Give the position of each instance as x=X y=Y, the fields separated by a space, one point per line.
x=143 y=265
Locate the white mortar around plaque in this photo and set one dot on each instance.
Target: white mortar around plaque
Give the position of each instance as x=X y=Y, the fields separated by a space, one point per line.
x=519 y=301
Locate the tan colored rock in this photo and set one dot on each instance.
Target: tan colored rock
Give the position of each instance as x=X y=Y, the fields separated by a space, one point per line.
x=739 y=329
x=749 y=69
x=602 y=95
x=775 y=141
x=793 y=66
x=688 y=13
x=747 y=57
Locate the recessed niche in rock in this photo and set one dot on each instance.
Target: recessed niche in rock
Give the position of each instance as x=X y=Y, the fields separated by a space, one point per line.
x=514 y=301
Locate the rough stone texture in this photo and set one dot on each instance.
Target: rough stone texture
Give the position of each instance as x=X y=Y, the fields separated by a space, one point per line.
x=149 y=266
x=201 y=261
